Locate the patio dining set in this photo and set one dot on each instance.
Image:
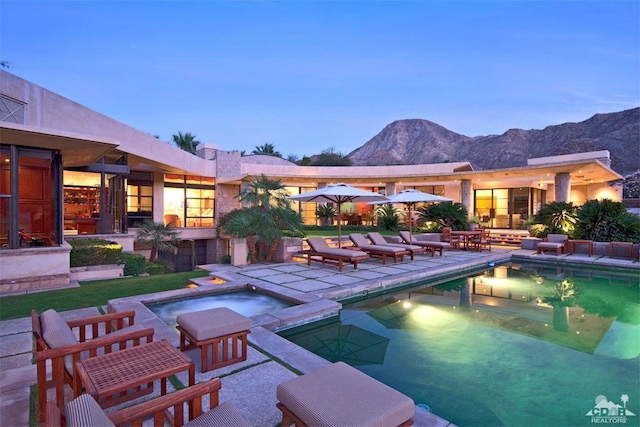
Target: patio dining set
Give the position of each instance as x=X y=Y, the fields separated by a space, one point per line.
x=108 y=360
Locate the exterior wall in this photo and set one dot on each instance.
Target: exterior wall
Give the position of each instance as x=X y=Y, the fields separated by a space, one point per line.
x=34 y=268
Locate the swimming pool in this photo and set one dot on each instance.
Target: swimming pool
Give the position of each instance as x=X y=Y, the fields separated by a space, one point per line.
x=517 y=345
x=247 y=303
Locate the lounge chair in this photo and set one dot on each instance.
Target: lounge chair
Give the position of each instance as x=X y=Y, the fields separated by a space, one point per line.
x=553 y=242
x=85 y=411
x=377 y=239
x=320 y=251
x=378 y=251
x=431 y=242
x=56 y=341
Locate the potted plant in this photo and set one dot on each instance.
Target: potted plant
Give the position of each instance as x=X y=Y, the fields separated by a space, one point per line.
x=474 y=223
x=325 y=214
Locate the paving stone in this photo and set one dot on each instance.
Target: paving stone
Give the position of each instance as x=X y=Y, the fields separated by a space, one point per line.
x=263 y=272
x=14 y=407
x=281 y=278
x=309 y=285
x=315 y=273
x=339 y=279
x=16 y=344
x=16 y=361
x=291 y=268
x=366 y=274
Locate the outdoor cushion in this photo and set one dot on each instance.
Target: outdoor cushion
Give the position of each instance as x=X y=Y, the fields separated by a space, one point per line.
x=84 y=411
x=212 y=323
x=557 y=238
x=340 y=395
x=319 y=245
x=223 y=415
x=361 y=242
x=378 y=239
x=55 y=331
x=424 y=240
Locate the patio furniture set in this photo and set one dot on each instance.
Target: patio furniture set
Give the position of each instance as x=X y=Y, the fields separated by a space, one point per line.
x=374 y=245
x=114 y=361
x=561 y=244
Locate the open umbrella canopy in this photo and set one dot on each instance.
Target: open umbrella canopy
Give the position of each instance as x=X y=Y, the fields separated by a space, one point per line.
x=348 y=343
x=410 y=197
x=338 y=194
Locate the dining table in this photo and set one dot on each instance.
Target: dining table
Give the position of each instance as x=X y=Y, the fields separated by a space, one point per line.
x=466 y=236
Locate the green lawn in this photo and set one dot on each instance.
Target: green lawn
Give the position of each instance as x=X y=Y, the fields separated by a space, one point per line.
x=92 y=294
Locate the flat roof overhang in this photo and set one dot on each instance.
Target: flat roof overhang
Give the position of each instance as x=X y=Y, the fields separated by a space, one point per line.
x=76 y=149
x=581 y=171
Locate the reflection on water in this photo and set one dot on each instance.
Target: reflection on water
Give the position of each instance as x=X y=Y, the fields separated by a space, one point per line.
x=244 y=302
x=513 y=345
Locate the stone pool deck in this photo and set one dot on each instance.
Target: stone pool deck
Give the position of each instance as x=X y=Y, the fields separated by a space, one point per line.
x=250 y=386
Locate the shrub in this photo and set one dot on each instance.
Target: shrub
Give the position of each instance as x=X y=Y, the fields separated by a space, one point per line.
x=154 y=268
x=558 y=217
x=86 y=252
x=607 y=221
x=445 y=214
x=388 y=218
x=134 y=264
x=224 y=259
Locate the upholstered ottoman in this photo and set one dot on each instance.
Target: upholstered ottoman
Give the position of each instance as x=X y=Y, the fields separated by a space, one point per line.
x=339 y=395
x=220 y=333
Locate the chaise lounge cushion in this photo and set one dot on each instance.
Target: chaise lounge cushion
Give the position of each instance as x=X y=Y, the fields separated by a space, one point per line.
x=213 y=323
x=340 y=395
x=378 y=239
x=424 y=240
x=319 y=245
x=361 y=242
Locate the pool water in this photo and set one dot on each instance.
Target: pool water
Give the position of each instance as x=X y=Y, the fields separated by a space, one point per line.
x=517 y=345
x=247 y=303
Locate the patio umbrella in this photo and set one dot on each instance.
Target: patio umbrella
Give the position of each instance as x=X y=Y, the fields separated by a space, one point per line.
x=338 y=194
x=348 y=343
x=410 y=197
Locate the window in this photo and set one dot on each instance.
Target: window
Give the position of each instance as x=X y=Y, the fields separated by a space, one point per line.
x=29 y=186
x=139 y=198
x=189 y=201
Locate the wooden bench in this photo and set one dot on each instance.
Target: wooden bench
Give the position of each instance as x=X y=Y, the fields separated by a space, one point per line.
x=220 y=333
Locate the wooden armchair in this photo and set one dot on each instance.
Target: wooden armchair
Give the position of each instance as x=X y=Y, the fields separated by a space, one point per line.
x=84 y=410
x=55 y=341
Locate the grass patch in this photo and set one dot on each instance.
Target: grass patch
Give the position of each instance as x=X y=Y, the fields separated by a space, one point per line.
x=92 y=294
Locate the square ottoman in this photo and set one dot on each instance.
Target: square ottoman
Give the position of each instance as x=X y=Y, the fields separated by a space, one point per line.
x=340 y=395
x=220 y=333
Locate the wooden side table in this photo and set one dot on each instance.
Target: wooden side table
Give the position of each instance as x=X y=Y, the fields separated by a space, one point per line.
x=574 y=243
x=123 y=375
x=621 y=250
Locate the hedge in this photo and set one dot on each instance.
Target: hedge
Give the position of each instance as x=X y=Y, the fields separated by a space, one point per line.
x=87 y=252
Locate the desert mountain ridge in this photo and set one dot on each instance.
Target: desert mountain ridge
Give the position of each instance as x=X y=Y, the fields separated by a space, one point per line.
x=418 y=141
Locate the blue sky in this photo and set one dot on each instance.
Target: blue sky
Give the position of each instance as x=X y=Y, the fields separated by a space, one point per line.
x=306 y=76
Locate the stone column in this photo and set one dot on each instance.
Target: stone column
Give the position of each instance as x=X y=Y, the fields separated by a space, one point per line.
x=563 y=186
x=390 y=189
x=465 y=195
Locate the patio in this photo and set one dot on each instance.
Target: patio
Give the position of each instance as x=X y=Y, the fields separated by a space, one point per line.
x=270 y=357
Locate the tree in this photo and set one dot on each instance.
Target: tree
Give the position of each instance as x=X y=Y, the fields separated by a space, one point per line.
x=158 y=235
x=266 y=150
x=4 y=64
x=186 y=142
x=446 y=214
x=331 y=157
x=388 y=217
x=265 y=221
x=631 y=186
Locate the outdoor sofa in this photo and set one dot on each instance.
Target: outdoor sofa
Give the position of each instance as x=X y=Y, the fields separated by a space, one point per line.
x=553 y=242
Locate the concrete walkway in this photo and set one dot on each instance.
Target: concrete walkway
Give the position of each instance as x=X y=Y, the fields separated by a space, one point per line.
x=250 y=386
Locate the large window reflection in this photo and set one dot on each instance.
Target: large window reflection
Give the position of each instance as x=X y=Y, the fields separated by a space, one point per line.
x=189 y=201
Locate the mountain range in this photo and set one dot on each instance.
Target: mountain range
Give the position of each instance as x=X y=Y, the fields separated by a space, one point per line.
x=417 y=141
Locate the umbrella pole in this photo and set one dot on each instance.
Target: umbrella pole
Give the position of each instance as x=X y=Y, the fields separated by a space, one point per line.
x=410 y=225
x=339 y=225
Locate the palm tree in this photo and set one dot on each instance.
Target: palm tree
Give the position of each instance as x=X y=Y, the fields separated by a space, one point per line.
x=186 y=142
x=266 y=149
x=265 y=192
x=158 y=235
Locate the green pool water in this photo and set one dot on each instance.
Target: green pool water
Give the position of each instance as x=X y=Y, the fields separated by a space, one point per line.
x=516 y=345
